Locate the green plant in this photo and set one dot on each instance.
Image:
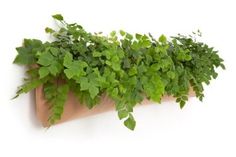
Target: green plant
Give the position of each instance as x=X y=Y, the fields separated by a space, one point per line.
x=126 y=67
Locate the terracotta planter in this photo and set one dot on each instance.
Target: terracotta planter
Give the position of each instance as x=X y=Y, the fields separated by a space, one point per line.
x=73 y=109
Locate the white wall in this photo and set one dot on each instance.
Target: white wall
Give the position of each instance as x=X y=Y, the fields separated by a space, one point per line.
x=200 y=129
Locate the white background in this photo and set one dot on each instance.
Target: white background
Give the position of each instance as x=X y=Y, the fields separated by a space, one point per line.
x=200 y=129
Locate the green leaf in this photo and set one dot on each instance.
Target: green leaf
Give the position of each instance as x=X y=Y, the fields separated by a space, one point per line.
x=121 y=54
x=130 y=122
x=115 y=63
x=114 y=93
x=49 y=30
x=171 y=74
x=93 y=90
x=107 y=54
x=74 y=68
x=49 y=62
x=27 y=53
x=84 y=84
x=115 y=66
x=222 y=66
x=67 y=59
x=69 y=73
x=58 y=17
x=153 y=87
x=45 y=59
x=129 y=36
x=43 y=71
x=122 y=114
x=138 y=36
x=146 y=43
x=97 y=54
x=25 y=56
x=133 y=71
x=90 y=85
x=54 y=68
x=122 y=33
x=182 y=104
x=162 y=39
x=113 y=33
x=188 y=57
x=55 y=51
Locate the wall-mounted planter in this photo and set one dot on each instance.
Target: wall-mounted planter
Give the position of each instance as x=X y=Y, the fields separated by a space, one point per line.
x=128 y=68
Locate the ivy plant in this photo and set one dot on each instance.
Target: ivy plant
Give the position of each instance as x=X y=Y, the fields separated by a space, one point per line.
x=127 y=67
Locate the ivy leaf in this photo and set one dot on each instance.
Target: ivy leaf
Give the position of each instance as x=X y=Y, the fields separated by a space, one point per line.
x=93 y=90
x=122 y=33
x=138 y=36
x=188 y=57
x=74 y=68
x=153 y=87
x=24 y=56
x=130 y=122
x=90 y=84
x=222 y=66
x=133 y=71
x=146 y=43
x=43 y=71
x=49 y=62
x=123 y=114
x=55 y=51
x=115 y=66
x=97 y=54
x=114 y=93
x=171 y=74
x=45 y=59
x=183 y=55
x=68 y=59
x=84 y=84
x=182 y=104
x=55 y=68
x=27 y=53
x=162 y=39
x=113 y=33
x=129 y=36
x=69 y=73
x=49 y=30
x=115 y=63
x=58 y=17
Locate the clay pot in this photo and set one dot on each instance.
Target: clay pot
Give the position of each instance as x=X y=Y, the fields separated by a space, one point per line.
x=73 y=109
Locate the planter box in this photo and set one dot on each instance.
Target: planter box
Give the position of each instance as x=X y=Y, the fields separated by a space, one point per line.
x=73 y=109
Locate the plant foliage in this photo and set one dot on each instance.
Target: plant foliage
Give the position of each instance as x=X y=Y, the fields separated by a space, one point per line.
x=126 y=67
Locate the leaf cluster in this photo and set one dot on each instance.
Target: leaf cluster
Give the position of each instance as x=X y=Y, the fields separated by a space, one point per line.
x=126 y=67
